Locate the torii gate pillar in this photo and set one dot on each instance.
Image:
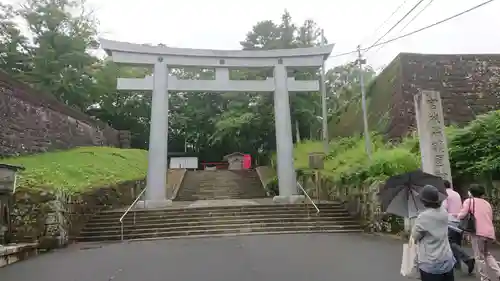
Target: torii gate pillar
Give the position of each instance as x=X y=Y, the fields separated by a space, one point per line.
x=156 y=194
x=222 y=61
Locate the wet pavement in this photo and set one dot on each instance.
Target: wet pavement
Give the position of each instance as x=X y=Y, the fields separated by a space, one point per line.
x=313 y=257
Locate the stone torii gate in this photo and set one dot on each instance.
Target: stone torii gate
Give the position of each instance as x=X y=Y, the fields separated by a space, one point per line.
x=162 y=58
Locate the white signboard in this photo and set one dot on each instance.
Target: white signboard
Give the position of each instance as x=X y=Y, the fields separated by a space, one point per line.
x=184 y=163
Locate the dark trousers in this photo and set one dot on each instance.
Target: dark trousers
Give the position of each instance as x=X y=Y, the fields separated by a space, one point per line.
x=424 y=276
x=455 y=239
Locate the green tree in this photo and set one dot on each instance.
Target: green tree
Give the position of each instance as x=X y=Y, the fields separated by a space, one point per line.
x=343 y=88
x=14 y=47
x=57 y=58
x=121 y=110
x=474 y=149
x=62 y=33
x=268 y=35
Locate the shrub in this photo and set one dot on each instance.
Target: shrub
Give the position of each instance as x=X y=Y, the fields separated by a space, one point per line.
x=474 y=155
x=348 y=164
x=475 y=149
x=272 y=186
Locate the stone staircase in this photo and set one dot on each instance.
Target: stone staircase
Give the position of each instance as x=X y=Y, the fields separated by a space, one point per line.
x=188 y=221
x=220 y=184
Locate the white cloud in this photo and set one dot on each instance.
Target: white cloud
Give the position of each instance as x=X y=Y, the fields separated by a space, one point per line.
x=221 y=24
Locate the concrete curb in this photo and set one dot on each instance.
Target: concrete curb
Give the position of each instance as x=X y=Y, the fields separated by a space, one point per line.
x=14 y=253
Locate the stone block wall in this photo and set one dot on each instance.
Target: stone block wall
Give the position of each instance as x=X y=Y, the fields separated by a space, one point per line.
x=53 y=218
x=469 y=86
x=266 y=174
x=174 y=181
x=34 y=122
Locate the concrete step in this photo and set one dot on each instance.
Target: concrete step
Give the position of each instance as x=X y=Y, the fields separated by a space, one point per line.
x=218 y=225
x=207 y=191
x=219 y=230
x=214 y=217
x=210 y=220
x=244 y=206
x=226 y=192
x=221 y=197
x=200 y=221
x=208 y=215
x=231 y=191
x=142 y=215
x=224 y=209
x=222 y=184
x=200 y=236
x=229 y=185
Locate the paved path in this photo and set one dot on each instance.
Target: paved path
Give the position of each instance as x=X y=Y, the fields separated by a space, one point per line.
x=314 y=257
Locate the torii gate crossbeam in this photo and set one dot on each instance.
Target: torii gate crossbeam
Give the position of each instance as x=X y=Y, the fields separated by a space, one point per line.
x=163 y=58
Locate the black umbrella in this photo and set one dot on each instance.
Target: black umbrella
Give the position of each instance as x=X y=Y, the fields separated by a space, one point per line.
x=399 y=195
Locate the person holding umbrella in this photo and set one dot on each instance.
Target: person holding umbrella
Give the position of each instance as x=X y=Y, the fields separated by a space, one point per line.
x=435 y=260
x=418 y=196
x=399 y=195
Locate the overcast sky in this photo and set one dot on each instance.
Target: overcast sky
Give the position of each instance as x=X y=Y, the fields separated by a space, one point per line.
x=221 y=24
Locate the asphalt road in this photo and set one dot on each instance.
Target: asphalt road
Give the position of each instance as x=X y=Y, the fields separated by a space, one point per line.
x=313 y=257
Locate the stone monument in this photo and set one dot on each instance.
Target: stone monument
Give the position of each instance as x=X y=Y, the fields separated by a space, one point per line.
x=432 y=137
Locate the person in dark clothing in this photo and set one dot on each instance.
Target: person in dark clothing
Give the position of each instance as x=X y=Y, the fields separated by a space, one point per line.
x=455 y=239
x=453 y=205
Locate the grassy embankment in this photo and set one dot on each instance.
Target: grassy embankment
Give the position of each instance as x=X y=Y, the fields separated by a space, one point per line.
x=80 y=169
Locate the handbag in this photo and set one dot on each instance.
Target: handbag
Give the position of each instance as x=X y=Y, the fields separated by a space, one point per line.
x=468 y=223
x=409 y=260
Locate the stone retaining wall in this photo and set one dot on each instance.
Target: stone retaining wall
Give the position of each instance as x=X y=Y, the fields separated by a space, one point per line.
x=15 y=253
x=174 y=181
x=266 y=174
x=53 y=218
x=468 y=85
x=34 y=122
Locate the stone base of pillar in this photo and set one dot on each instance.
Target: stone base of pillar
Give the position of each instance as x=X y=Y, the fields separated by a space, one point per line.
x=153 y=204
x=290 y=199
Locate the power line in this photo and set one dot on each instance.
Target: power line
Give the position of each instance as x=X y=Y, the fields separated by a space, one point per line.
x=386 y=20
x=408 y=23
x=396 y=24
x=418 y=14
x=415 y=31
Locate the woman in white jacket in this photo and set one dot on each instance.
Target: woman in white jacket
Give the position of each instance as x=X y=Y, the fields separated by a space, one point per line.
x=435 y=260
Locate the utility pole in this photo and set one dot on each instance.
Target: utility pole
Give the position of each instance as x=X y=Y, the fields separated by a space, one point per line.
x=323 y=102
x=368 y=143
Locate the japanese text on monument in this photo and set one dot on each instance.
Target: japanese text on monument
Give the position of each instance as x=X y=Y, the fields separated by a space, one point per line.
x=437 y=135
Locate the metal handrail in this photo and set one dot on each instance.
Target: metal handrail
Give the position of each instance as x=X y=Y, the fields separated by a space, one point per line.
x=130 y=208
x=308 y=197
